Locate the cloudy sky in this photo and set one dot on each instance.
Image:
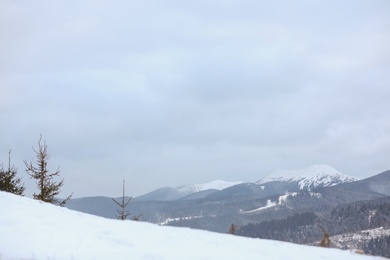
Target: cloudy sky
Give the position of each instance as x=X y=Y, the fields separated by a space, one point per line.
x=164 y=93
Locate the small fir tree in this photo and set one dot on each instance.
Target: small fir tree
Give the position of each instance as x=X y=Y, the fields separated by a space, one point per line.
x=8 y=180
x=48 y=188
x=123 y=214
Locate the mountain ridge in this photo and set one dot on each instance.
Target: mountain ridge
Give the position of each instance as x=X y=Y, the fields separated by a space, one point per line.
x=170 y=193
x=280 y=181
x=247 y=203
x=309 y=178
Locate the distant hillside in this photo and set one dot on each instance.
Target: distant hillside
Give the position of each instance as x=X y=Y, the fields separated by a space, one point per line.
x=378 y=184
x=316 y=176
x=279 y=182
x=218 y=198
x=243 y=204
x=356 y=225
x=253 y=207
x=170 y=194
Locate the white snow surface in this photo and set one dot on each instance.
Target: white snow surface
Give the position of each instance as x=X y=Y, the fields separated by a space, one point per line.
x=218 y=185
x=270 y=204
x=215 y=185
x=34 y=230
x=313 y=176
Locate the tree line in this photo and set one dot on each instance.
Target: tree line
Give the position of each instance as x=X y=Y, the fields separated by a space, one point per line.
x=379 y=246
x=48 y=188
x=309 y=227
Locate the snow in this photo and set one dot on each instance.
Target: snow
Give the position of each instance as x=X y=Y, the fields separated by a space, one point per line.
x=219 y=185
x=315 y=194
x=214 y=185
x=357 y=239
x=313 y=176
x=372 y=213
x=169 y=220
x=188 y=189
x=269 y=204
x=281 y=200
x=34 y=230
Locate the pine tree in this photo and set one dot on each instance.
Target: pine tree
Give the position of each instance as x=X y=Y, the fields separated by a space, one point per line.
x=48 y=188
x=8 y=180
x=123 y=214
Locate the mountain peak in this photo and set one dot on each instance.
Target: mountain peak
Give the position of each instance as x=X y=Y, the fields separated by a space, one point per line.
x=213 y=185
x=219 y=185
x=169 y=193
x=314 y=176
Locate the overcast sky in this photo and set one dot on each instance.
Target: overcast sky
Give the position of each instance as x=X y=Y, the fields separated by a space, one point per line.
x=164 y=93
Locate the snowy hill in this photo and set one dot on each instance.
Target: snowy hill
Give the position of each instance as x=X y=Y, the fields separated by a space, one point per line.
x=169 y=193
x=312 y=177
x=34 y=230
x=279 y=182
x=214 y=185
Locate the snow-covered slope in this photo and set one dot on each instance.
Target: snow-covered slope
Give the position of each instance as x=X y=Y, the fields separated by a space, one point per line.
x=36 y=230
x=314 y=176
x=169 y=193
x=214 y=185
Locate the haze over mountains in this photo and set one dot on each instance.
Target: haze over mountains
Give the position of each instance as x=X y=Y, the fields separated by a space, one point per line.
x=279 y=182
x=193 y=199
x=313 y=177
x=298 y=204
x=169 y=193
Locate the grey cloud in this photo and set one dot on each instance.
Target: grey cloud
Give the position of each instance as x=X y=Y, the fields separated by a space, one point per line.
x=175 y=92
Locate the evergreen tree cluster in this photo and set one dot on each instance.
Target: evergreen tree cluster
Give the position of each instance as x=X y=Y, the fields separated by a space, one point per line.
x=48 y=189
x=292 y=229
x=359 y=216
x=9 y=182
x=308 y=227
x=379 y=246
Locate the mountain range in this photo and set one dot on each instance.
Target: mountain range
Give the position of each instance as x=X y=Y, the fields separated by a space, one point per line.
x=313 y=177
x=215 y=197
x=169 y=193
x=305 y=200
x=280 y=181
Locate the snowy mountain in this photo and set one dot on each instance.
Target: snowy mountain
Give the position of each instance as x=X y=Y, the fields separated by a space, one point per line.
x=214 y=185
x=226 y=197
x=36 y=230
x=161 y=194
x=315 y=176
x=279 y=182
x=169 y=193
x=346 y=207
